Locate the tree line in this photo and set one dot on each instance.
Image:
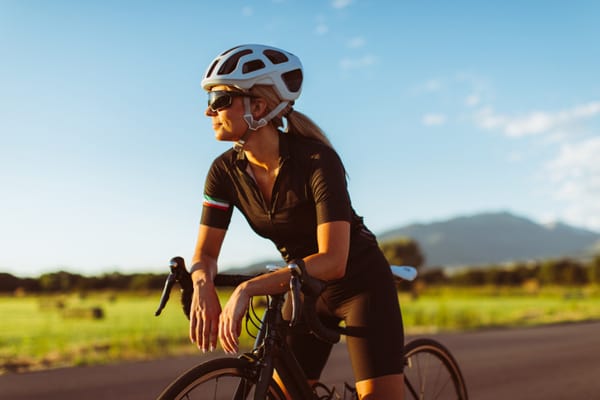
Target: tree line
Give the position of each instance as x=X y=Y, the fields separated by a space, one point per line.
x=403 y=251
x=562 y=271
x=63 y=281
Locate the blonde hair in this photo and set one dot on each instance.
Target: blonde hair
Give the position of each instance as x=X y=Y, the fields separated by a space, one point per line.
x=297 y=122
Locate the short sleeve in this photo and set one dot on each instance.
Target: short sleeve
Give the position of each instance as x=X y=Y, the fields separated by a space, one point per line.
x=329 y=187
x=217 y=206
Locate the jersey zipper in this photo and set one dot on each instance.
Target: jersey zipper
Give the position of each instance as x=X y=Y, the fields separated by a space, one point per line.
x=269 y=209
x=275 y=191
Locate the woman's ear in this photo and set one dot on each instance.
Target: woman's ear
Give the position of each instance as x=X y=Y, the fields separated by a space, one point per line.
x=259 y=107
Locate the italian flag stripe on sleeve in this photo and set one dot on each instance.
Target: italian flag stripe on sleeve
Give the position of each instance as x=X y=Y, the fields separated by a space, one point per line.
x=215 y=203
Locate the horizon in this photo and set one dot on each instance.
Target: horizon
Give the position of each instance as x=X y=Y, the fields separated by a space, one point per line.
x=154 y=269
x=436 y=111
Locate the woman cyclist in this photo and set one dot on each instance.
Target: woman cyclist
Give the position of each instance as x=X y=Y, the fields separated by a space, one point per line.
x=290 y=185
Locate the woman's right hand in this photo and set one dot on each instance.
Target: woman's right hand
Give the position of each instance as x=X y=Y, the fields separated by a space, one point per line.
x=204 y=316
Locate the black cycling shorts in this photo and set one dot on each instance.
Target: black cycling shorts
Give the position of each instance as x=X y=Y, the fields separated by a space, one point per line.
x=368 y=303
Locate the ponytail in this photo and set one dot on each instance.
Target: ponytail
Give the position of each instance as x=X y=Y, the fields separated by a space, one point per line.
x=297 y=123
x=300 y=124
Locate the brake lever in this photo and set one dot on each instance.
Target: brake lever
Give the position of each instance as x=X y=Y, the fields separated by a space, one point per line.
x=183 y=277
x=164 y=298
x=296 y=299
x=180 y=275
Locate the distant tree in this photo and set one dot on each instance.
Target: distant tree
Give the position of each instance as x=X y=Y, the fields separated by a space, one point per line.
x=403 y=251
x=146 y=282
x=61 y=281
x=8 y=282
x=594 y=270
x=116 y=281
x=499 y=276
x=563 y=272
x=435 y=276
x=470 y=277
x=525 y=272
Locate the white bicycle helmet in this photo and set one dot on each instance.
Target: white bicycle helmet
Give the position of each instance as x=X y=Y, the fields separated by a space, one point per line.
x=253 y=64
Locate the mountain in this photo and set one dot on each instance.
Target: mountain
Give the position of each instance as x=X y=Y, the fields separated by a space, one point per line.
x=494 y=238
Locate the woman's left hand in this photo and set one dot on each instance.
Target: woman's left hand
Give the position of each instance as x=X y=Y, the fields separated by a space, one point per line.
x=230 y=321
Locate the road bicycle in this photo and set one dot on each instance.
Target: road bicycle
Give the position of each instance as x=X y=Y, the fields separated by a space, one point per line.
x=431 y=372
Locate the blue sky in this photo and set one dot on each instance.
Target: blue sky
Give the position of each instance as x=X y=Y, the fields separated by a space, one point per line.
x=438 y=109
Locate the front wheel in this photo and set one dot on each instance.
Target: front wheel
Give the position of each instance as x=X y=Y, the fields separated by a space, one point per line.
x=224 y=378
x=431 y=372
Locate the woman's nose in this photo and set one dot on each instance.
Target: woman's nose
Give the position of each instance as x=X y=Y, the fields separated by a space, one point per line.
x=209 y=112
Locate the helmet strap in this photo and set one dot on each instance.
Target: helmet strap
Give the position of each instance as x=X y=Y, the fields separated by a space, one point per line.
x=254 y=125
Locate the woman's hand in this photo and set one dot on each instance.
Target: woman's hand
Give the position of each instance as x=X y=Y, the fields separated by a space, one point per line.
x=230 y=322
x=204 y=316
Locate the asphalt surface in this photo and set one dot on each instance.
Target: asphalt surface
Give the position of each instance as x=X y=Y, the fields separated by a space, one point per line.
x=553 y=362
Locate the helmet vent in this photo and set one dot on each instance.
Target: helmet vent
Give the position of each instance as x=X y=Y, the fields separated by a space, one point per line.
x=253 y=65
x=210 y=70
x=276 y=57
x=293 y=80
x=248 y=65
x=230 y=64
x=229 y=51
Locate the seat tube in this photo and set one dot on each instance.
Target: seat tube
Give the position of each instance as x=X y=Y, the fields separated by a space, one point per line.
x=264 y=378
x=266 y=336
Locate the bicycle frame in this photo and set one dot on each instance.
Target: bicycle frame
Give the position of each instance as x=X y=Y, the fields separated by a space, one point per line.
x=271 y=353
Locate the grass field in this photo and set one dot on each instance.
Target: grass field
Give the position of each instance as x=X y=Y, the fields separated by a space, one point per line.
x=41 y=332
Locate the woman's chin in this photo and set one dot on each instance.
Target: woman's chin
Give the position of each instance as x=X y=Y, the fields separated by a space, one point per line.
x=224 y=137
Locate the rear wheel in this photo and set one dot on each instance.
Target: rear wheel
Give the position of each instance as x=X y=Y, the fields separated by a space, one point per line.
x=224 y=378
x=431 y=372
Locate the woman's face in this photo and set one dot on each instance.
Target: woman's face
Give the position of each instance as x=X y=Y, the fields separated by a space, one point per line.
x=228 y=122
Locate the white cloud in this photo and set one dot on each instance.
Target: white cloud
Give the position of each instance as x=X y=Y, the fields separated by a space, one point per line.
x=357 y=63
x=486 y=118
x=356 y=42
x=432 y=119
x=575 y=173
x=339 y=4
x=535 y=122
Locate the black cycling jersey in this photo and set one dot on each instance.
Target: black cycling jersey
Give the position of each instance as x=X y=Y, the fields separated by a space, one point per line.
x=310 y=189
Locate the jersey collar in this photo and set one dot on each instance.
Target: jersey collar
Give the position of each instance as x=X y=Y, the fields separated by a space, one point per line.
x=284 y=151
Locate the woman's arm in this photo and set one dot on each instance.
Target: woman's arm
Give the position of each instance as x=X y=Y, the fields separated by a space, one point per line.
x=328 y=263
x=205 y=310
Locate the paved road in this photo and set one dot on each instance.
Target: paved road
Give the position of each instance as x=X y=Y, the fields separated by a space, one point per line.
x=556 y=362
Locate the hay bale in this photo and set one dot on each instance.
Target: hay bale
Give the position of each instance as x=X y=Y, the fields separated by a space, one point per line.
x=95 y=313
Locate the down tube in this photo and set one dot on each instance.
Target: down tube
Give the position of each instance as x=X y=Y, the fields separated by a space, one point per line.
x=292 y=375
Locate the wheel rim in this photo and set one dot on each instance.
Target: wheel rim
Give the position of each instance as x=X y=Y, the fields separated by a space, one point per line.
x=430 y=376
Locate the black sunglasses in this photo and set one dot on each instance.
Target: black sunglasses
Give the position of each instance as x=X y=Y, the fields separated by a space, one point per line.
x=220 y=99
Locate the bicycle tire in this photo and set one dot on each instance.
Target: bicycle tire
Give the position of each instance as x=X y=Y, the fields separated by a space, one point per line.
x=222 y=378
x=431 y=372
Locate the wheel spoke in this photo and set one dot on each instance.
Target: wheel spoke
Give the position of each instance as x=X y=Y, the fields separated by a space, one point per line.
x=432 y=373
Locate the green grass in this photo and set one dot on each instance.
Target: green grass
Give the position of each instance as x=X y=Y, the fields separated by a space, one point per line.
x=452 y=309
x=37 y=333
